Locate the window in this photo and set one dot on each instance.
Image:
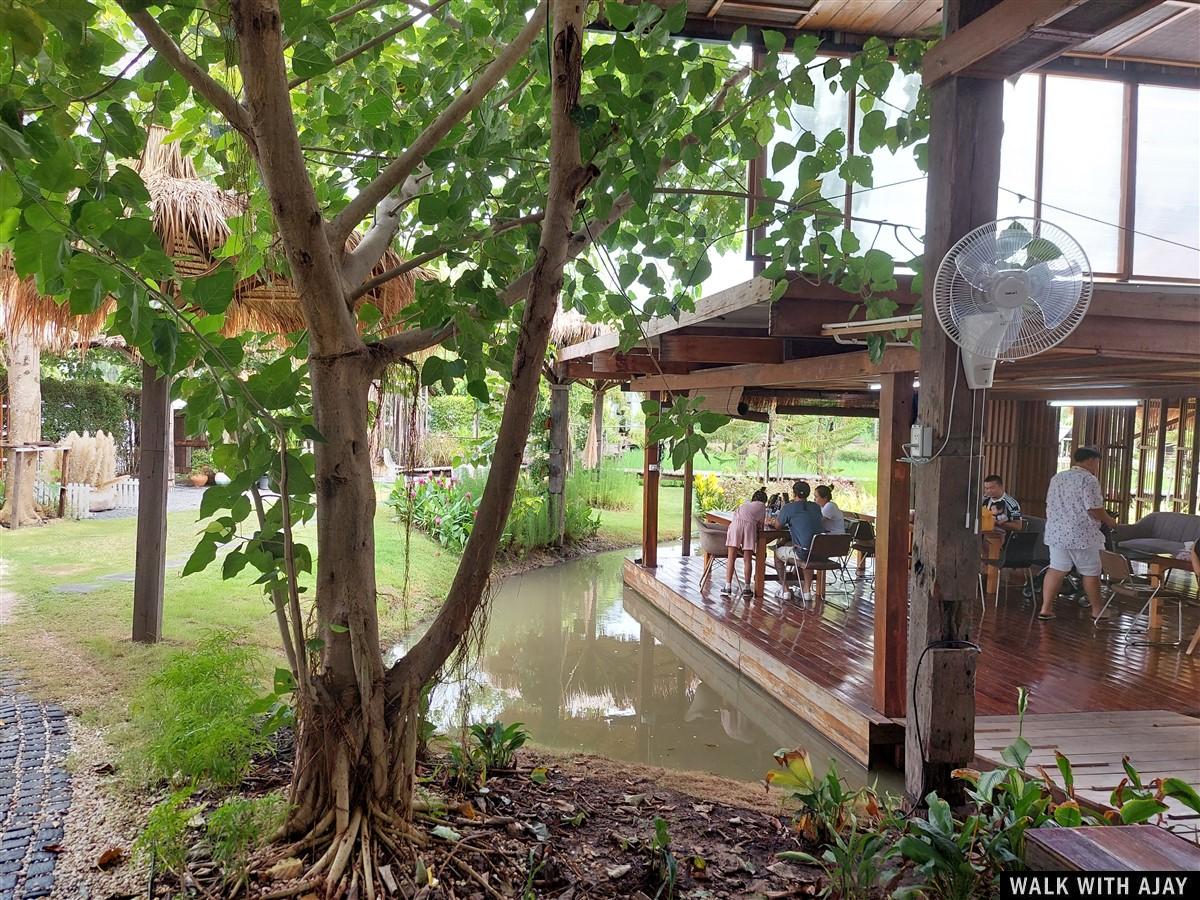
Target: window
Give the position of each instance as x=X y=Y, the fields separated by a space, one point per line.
x=1167 y=193
x=829 y=111
x=1143 y=227
x=898 y=186
x=1081 y=174
x=1019 y=148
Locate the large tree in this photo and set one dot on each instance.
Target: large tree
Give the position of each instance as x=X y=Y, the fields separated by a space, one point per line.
x=510 y=151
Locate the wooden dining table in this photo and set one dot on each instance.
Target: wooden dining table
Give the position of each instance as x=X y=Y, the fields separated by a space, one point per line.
x=766 y=534
x=1160 y=566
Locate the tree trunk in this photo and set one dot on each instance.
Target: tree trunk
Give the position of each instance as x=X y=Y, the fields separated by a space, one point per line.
x=23 y=358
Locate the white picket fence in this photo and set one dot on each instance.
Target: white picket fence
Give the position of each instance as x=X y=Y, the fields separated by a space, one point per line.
x=79 y=497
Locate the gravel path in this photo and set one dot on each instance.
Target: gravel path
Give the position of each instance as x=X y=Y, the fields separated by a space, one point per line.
x=35 y=791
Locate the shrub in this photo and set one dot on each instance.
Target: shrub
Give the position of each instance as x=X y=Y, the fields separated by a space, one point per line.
x=605 y=488
x=707 y=492
x=163 y=843
x=445 y=507
x=240 y=824
x=196 y=715
x=498 y=744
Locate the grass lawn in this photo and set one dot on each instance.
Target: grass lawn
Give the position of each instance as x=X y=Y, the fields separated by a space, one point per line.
x=70 y=633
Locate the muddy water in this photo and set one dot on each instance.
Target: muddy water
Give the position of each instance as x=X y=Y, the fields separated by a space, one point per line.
x=589 y=665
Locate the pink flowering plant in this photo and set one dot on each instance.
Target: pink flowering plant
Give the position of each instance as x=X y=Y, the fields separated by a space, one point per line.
x=440 y=505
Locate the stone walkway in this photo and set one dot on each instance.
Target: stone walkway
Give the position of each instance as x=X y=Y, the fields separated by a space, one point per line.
x=35 y=791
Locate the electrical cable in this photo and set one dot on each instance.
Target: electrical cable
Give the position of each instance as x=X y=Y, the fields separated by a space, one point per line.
x=916 y=713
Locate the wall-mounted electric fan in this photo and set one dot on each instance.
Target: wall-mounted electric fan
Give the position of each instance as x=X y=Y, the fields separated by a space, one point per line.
x=1008 y=290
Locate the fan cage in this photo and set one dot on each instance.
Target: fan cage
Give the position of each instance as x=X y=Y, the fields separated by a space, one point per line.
x=1048 y=257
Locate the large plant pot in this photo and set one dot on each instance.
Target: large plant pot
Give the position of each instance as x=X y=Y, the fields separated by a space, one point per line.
x=198 y=479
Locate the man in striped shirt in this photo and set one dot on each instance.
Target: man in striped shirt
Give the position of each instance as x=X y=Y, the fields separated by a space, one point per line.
x=1006 y=510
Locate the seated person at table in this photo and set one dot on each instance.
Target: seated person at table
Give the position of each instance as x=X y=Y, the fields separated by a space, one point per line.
x=742 y=537
x=1006 y=512
x=831 y=514
x=802 y=519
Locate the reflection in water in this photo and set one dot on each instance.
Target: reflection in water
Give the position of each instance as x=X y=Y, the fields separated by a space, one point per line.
x=588 y=665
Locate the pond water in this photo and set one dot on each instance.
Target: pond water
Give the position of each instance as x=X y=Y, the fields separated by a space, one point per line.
x=591 y=666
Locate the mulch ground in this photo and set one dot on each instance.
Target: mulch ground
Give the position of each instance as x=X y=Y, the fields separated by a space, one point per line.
x=573 y=827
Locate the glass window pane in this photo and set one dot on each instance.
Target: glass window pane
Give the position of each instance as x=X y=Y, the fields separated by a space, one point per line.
x=829 y=111
x=1018 y=148
x=898 y=187
x=1081 y=181
x=1167 y=198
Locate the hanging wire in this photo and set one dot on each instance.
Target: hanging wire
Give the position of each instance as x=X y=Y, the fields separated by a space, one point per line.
x=1071 y=212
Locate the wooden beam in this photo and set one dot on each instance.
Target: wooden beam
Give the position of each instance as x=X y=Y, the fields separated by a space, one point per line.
x=154 y=478
x=966 y=124
x=718 y=348
x=1015 y=36
x=650 y=475
x=1128 y=188
x=636 y=362
x=740 y=296
x=891 y=545
x=836 y=412
x=814 y=370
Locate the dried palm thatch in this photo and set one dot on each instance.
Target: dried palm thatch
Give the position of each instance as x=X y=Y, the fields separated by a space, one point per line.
x=572 y=327
x=52 y=323
x=191 y=217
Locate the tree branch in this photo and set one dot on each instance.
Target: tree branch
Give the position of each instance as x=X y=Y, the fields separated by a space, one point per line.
x=359 y=262
x=411 y=342
x=568 y=178
x=202 y=83
x=417 y=261
x=375 y=41
x=396 y=172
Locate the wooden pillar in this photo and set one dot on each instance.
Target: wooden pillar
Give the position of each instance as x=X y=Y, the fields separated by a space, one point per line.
x=154 y=475
x=560 y=411
x=688 y=478
x=891 y=544
x=966 y=117
x=650 y=472
x=1160 y=452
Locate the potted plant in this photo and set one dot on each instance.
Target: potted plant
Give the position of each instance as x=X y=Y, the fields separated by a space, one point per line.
x=202 y=468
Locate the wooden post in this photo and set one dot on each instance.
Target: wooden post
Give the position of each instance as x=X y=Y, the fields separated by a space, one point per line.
x=650 y=494
x=560 y=411
x=154 y=475
x=687 y=503
x=964 y=172
x=18 y=473
x=62 y=483
x=891 y=544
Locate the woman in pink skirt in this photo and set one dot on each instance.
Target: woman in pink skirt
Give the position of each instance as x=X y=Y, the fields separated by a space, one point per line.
x=742 y=537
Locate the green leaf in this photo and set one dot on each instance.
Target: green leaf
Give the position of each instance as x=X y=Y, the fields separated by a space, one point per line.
x=782 y=156
x=1178 y=789
x=538 y=775
x=214 y=292
x=1017 y=752
x=205 y=553
x=24 y=29
x=338 y=629
x=1064 y=768
x=619 y=15
x=1068 y=814
x=738 y=37
x=1141 y=809
x=773 y=40
x=309 y=60
x=626 y=56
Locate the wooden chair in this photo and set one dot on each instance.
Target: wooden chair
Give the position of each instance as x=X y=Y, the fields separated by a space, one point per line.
x=712 y=545
x=862 y=542
x=823 y=555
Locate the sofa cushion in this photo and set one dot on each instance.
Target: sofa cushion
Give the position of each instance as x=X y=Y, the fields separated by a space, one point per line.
x=1150 y=546
x=1172 y=526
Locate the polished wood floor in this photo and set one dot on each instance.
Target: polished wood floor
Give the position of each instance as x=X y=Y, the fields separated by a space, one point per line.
x=1067 y=664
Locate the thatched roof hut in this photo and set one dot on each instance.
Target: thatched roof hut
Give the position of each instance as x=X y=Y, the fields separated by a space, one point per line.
x=572 y=327
x=191 y=216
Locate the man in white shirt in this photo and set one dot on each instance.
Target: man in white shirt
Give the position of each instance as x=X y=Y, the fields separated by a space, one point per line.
x=1074 y=513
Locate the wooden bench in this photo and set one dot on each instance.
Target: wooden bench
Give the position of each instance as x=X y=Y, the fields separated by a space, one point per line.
x=1100 y=848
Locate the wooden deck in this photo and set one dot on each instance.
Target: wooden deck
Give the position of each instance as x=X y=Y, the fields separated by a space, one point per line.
x=818 y=661
x=1158 y=743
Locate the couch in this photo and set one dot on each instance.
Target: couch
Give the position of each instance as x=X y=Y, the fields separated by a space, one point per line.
x=1160 y=532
